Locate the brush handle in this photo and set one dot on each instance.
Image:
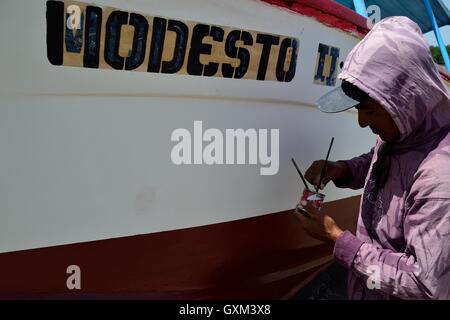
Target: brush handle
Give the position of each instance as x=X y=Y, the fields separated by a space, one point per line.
x=323 y=170
x=300 y=173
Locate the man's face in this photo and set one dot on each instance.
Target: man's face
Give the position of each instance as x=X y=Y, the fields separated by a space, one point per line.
x=372 y=114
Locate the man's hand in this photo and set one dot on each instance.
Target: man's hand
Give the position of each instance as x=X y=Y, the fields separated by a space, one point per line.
x=334 y=170
x=319 y=226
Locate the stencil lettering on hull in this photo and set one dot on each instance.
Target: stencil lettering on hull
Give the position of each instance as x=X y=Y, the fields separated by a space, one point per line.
x=89 y=36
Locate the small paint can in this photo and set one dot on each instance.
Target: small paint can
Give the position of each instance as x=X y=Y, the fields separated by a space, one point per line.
x=313 y=198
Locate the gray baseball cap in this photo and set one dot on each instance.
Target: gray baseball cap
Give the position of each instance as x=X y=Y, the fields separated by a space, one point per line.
x=341 y=98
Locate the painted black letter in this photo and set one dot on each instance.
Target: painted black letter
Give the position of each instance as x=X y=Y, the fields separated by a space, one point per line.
x=55 y=32
x=283 y=76
x=231 y=51
x=267 y=41
x=331 y=79
x=244 y=55
x=113 y=29
x=212 y=67
x=156 y=49
x=74 y=37
x=137 y=56
x=92 y=39
x=194 y=66
x=290 y=74
x=323 y=52
x=182 y=33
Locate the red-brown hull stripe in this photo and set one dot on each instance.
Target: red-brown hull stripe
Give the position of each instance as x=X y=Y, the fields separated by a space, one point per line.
x=265 y=257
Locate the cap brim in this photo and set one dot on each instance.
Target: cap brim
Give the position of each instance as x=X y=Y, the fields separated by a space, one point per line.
x=336 y=101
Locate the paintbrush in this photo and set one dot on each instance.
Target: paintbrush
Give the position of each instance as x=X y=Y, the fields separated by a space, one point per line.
x=324 y=167
x=300 y=173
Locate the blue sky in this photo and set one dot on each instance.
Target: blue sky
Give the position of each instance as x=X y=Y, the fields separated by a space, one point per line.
x=445 y=31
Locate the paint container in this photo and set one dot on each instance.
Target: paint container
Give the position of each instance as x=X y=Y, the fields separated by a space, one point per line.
x=313 y=198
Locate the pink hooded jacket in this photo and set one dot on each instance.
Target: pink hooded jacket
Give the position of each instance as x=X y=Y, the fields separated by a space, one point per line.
x=402 y=244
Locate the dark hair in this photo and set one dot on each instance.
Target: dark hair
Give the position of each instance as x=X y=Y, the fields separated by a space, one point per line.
x=353 y=91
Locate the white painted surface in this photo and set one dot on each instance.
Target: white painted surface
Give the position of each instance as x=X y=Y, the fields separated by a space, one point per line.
x=85 y=154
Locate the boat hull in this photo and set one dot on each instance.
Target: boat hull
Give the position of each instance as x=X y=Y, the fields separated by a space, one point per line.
x=87 y=177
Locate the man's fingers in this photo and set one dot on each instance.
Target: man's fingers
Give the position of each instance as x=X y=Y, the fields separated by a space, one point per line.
x=313 y=172
x=325 y=177
x=324 y=182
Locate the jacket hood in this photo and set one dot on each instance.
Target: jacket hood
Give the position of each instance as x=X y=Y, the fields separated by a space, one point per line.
x=394 y=66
